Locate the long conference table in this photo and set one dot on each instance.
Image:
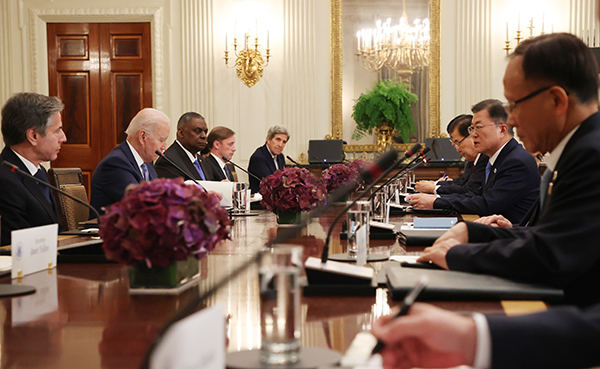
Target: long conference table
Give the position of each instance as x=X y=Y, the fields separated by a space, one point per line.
x=82 y=315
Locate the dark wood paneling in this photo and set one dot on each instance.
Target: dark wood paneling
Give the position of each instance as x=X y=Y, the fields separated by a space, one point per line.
x=73 y=47
x=126 y=47
x=118 y=80
x=74 y=87
x=102 y=72
x=127 y=90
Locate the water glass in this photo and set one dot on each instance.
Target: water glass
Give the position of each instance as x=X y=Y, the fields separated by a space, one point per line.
x=379 y=205
x=240 y=197
x=280 y=305
x=358 y=230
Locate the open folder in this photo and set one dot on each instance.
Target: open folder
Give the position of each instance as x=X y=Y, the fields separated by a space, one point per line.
x=225 y=188
x=451 y=285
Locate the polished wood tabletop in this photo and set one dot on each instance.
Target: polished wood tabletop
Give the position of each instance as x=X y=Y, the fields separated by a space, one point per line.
x=82 y=315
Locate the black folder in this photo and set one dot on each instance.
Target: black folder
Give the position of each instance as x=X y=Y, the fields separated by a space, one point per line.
x=451 y=285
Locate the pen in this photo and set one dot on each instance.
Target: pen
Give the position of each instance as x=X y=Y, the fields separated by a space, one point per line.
x=408 y=302
x=444 y=177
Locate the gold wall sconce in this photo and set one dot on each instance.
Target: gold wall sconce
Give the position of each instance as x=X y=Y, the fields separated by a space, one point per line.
x=249 y=62
x=520 y=37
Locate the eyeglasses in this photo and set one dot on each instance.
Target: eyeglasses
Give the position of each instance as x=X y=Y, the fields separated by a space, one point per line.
x=478 y=128
x=511 y=105
x=457 y=144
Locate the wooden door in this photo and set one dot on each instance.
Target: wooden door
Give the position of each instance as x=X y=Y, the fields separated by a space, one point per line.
x=102 y=73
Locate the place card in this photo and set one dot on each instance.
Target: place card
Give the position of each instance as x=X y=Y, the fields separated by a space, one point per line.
x=33 y=249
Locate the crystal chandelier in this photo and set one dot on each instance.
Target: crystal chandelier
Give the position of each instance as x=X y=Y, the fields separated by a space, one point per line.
x=402 y=48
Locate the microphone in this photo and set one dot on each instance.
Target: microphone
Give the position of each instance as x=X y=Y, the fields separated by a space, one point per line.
x=406 y=168
x=384 y=166
x=302 y=166
x=185 y=174
x=283 y=235
x=237 y=166
x=15 y=169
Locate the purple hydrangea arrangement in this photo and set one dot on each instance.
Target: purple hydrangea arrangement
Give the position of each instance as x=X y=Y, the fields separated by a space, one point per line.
x=339 y=174
x=291 y=190
x=163 y=220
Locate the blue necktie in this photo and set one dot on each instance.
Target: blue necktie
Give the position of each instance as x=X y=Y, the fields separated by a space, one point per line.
x=199 y=169
x=488 y=170
x=228 y=173
x=145 y=171
x=41 y=174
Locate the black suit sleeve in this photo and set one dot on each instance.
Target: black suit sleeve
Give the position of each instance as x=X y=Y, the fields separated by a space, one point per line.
x=472 y=181
x=562 y=249
x=165 y=170
x=259 y=166
x=512 y=185
x=563 y=337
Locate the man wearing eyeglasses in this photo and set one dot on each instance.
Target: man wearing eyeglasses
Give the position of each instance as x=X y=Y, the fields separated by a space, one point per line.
x=474 y=175
x=512 y=180
x=551 y=83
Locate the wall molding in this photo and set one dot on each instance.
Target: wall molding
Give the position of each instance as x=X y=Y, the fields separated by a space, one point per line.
x=38 y=17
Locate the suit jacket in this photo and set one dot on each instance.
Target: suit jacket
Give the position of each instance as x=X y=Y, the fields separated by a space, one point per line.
x=177 y=155
x=262 y=165
x=511 y=189
x=472 y=179
x=563 y=337
x=215 y=171
x=22 y=204
x=113 y=174
x=562 y=247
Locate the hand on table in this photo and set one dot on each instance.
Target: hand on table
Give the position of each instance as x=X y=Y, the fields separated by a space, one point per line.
x=495 y=221
x=437 y=253
x=425 y=186
x=421 y=201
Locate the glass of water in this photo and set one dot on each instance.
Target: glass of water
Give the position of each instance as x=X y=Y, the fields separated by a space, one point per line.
x=280 y=304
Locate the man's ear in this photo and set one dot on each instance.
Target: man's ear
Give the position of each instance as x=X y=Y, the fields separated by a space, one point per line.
x=32 y=136
x=561 y=100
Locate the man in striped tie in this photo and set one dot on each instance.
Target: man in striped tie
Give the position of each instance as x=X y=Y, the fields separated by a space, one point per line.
x=32 y=131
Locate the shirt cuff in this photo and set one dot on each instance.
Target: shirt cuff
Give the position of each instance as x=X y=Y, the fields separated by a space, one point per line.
x=436 y=188
x=483 y=353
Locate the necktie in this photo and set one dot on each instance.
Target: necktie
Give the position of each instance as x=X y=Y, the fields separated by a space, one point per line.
x=228 y=173
x=41 y=174
x=488 y=169
x=144 y=167
x=544 y=186
x=199 y=169
x=275 y=161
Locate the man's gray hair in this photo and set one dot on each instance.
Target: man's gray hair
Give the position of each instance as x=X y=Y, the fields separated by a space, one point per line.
x=27 y=110
x=276 y=130
x=146 y=119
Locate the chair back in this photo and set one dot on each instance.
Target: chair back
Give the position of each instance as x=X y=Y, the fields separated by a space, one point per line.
x=70 y=181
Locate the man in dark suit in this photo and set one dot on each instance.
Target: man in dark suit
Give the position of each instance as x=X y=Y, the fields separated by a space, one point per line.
x=32 y=131
x=221 y=141
x=268 y=158
x=512 y=177
x=131 y=161
x=474 y=175
x=553 y=104
x=191 y=139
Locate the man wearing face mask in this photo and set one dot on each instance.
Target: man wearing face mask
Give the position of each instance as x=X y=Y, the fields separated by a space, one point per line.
x=474 y=175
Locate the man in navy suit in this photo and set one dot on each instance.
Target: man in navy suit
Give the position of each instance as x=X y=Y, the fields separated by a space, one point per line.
x=268 y=158
x=512 y=177
x=131 y=161
x=191 y=138
x=221 y=141
x=553 y=104
x=473 y=177
x=32 y=131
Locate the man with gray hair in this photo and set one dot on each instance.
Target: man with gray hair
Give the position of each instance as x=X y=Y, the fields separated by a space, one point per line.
x=32 y=131
x=131 y=161
x=268 y=158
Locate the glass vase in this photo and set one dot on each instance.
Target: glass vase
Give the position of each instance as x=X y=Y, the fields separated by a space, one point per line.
x=171 y=276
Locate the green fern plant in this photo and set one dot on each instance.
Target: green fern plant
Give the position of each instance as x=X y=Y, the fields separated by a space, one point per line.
x=388 y=101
